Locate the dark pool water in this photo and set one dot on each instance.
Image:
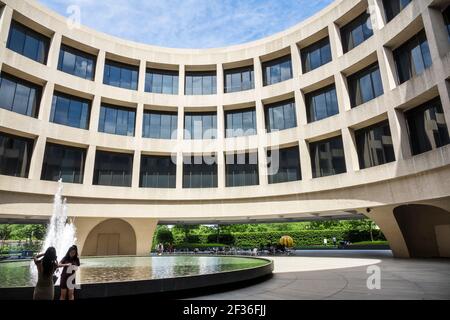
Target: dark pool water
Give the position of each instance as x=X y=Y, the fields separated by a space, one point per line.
x=114 y=269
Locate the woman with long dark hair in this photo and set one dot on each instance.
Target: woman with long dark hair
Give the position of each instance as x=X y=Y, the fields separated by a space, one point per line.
x=46 y=267
x=71 y=258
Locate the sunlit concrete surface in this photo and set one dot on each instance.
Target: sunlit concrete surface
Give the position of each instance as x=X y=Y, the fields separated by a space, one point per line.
x=343 y=275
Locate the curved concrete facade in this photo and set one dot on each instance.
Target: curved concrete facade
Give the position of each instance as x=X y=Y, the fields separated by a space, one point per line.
x=419 y=179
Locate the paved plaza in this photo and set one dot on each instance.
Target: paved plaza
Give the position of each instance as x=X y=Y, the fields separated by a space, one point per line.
x=335 y=274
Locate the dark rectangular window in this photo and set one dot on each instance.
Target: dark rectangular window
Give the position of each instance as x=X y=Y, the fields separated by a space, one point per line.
x=19 y=96
x=374 y=145
x=283 y=165
x=63 y=162
x=413 y=57
x=327 y=157
x=393 y=7
x=121 y=75
x=241 y=169
x=76 y=62
x=70 y=111
x=200 y=83
x=446 y=14
x=199 y=172
x=427 y=127
x=356 y=32
x=280 y=116
x=161 y=81
x=316 y=55
x=15 y=155
x=322 y=103
x=113 y=169
x=160 y=125
x=117 y=120
x=28 y=42
x=158 y=172
x=241 y=122
x=239 y=79
x=277 y=70
x=365 y=85
x=200 y=125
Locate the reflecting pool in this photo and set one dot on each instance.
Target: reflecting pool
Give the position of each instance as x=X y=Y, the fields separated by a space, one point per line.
x=117 y=269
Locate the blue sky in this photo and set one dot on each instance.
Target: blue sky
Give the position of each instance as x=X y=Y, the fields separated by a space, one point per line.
x=190 y=23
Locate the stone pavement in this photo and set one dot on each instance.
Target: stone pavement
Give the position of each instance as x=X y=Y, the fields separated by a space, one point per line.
x=342 y=274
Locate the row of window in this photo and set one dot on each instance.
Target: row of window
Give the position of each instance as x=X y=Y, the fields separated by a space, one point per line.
x=17 y=95
x=73 y=61
x=426 y=125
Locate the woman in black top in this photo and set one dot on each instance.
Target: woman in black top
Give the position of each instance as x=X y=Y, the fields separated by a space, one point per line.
x=71 y=258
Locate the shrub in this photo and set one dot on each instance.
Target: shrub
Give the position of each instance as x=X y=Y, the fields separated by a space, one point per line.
x=223 y=238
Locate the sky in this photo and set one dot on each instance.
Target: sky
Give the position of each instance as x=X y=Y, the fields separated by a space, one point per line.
x=190 y=23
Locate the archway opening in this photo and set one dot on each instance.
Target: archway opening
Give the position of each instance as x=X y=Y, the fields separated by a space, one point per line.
x=426 y=230
x=109 y=238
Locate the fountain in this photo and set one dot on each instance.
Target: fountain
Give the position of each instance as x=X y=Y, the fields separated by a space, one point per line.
x=101 y=277
x=60 y=231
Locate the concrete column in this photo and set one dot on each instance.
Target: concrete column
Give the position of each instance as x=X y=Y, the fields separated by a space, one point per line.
x=37 y=158
x=300 y=106
x=179 y=173
x=53 y=53
x=144 y=229
x=181 y=80
x=83 y=227
x=258 y=73
x=136 y=169
x=444 y=93
x=46 y=102
x=139 y=123
x=342 y=93
x=305 y=160
x=296 y=64
x=385 y=219
x=89 y=166
x=221 y=169
x=436 y=33
x=220 y=80
x=335 y=41
x=376 y=10
x=100 y=67
x=95 y=114
x=5 y=23
x=180 y=125
x=142 y=72
x=351 y=155
x=399 y=132
x=262 y=166
x=388 y=69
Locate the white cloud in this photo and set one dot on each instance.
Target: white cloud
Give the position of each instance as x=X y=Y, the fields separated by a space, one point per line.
x=191 y=23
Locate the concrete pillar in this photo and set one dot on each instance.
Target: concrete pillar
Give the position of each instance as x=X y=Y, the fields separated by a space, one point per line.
x=385 y=219
x=444 y=93
x=136 y=169
x=53 y=53
x=179 y=173
x=141 y=78
x=181 y=80
x=46 y=102
x=436 y=33
x=342 y=93
x=89 y=166
x=399 y=133
x=351 y=155
x=388 y=69
x=6 y=14
x=37 y=158
x=335 y=41
x=305 y=160
x=300 y=106
x=100 y=67
x=95 y=114
x=220 y=81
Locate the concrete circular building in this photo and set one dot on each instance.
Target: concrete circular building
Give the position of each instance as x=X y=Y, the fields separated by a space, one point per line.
x=343 y=115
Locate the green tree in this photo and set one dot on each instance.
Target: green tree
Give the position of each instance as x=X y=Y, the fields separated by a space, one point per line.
x=5 y=232
x=164 y=235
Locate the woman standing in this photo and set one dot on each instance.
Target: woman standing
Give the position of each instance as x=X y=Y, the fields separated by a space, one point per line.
x=46 y=267
x=71 y=258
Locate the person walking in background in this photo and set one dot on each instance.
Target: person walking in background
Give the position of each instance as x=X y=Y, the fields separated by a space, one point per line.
x=334 y=241
x=45 y=289
x=70 y=259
